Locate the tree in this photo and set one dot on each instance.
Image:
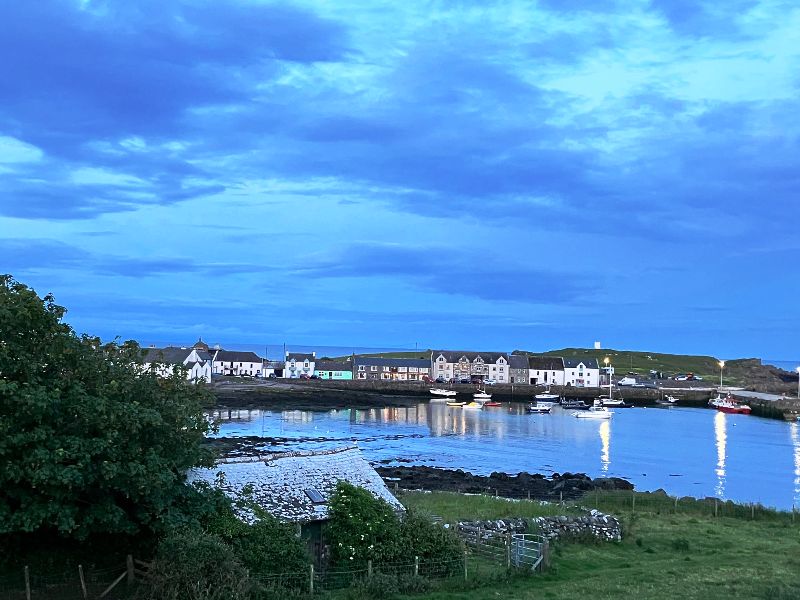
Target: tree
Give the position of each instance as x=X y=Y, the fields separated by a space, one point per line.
x=90 y=442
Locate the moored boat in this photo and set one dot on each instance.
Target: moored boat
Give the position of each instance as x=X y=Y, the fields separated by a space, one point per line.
x=539 y=409
x=613 y=402
x=593 y=412
x=455 y=403
x=491 y=404
x=574 y=404
x=443 y=392
x=729 y=405
x=473 y=405
x=481 y=395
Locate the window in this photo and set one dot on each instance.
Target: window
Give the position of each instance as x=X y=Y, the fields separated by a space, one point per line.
x=361 y=367
x=440 y=359
x=315 y=496
x=373 y=368
x=501 y=369
x=494 y=368
x=305 y=364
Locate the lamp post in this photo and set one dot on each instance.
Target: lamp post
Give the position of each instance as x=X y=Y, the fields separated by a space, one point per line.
x=721 y=366
x=798 y=382
x=607 y=362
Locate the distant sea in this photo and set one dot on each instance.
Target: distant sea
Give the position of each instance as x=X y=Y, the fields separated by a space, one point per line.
x=786 y=365
x=275 y=352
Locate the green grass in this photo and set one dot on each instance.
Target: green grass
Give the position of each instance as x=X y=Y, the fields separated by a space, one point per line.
x=453 y=507
x=688 y=554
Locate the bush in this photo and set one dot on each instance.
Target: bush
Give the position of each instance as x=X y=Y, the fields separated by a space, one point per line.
x=196 y=566
x=364 y=528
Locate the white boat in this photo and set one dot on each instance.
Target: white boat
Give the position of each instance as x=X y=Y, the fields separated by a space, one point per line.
x=618 y=402
x=481 y=395
x=473 y=406
x=540 y=408
x=443 y=392
x=547 y=396
x=455 y=404
x=667 y=401
x=593 y=412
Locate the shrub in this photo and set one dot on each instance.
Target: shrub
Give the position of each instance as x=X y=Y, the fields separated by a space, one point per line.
x=196 y=566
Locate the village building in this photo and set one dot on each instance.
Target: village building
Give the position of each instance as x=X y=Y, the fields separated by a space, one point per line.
x=334 y=369
x=296 y=487
x=518 y=368
x=581 y=372
x=299 y=364
x=546 y=370
x=457 y=365
x=232 y=362
x=391 y=369
x=195 y=360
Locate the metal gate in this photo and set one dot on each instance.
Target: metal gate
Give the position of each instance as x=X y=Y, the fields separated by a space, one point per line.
x=527 y=550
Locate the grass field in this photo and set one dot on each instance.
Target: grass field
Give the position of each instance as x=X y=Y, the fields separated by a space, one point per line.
x=688 y=554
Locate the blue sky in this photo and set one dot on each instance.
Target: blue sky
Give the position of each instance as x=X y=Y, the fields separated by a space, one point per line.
x=453 y=174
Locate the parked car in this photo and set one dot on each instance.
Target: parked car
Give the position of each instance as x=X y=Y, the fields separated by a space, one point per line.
x=305 y=376
x=465 y=380
x=441 y=379
x=627 y=381
x=489 y=381
x=315 y=376
x=271 y=376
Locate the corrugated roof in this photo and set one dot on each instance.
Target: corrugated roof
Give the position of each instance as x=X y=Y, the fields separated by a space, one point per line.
x=279 y=481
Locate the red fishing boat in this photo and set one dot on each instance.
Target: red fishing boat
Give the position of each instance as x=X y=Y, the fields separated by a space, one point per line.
x=729 y=405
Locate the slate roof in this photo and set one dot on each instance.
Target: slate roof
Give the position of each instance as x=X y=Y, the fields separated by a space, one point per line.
x=392 y=362
x=171 y=355
x=589 y=363
x=333 y=365
x=280 y=481
x=518 y=361
x=453 y=356
x=300 y=357
x=234 y=356
x=546 y=363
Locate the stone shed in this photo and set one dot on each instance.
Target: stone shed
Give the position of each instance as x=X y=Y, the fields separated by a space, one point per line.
x=296 y=486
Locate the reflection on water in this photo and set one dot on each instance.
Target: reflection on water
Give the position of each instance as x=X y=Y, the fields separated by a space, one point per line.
x=752 y=459
x=721 y=437
x=605 y=441
x=795 y=435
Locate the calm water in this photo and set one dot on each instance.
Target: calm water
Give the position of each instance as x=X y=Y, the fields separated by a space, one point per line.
x=686 y=451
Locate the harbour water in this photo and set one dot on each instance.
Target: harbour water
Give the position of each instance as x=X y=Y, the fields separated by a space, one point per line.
x=685 y=451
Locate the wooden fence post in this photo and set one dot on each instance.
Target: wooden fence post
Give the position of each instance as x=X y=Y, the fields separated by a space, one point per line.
x=561 y=498
x=311 y=579
x=752 y=511
x=129 y=568
x=715 y=507
x=83 y=582
x=793 y=513
x=27 y=583
x=529 y=495
x=633 y=502
x=546 y=555
x=465 y=566
x=508 y=550
x=676 y=505
x=369 y=568
x=416 y=566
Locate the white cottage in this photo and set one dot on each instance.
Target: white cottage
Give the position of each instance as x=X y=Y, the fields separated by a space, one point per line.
x=230 y=362
x=196 y=361
x=299 y=364
x=581 y=372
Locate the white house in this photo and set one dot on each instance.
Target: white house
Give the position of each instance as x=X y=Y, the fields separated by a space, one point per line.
x=196 y=361
x=230 y=362
x=457 y=365
x=546 y=370
x=581 y=372
x=298 y=364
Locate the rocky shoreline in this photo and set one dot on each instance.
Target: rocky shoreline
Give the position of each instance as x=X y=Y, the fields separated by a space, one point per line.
x=565 y=486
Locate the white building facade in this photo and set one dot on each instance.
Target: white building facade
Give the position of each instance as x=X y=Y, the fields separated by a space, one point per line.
x=466 y=365
x=581 y=372
x=299 y=364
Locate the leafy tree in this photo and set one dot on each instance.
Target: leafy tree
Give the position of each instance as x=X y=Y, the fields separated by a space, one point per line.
x=90 y=442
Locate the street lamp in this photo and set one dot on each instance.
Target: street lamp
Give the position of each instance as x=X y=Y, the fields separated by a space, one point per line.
x=721 y=366
x=798 y=382
x=607 y=362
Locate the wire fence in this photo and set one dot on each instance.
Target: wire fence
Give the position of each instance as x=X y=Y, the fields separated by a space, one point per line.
x=84 y=584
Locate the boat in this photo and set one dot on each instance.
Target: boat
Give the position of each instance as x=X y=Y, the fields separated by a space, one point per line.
x=574 y=404
x=729 y=405
x=473 y=405
x=540 y=409
x=456 y=404
x=546 y=396
x=443 y=392
x=613 y=402
x=481 y=395
x=593 y=412
x=491 y=404
x=667 y=401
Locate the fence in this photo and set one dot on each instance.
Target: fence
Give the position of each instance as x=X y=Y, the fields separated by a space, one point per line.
x=520 y=550
x=84 y=584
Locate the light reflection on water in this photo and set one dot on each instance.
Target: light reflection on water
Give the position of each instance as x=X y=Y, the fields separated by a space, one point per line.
x=721 y=439
x=694 y=452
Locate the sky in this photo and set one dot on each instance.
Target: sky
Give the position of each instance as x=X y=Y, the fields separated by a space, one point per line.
x=455 y=174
